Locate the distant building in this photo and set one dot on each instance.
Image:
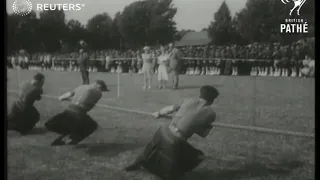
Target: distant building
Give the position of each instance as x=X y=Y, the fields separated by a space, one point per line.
x=194 y=39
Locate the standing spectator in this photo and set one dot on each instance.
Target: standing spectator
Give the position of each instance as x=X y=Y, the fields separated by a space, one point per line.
x=91 y=61
x=308 y=67
x=21 y=59
x=26 y=61
x=108 y=61
x=139 y=62
x=147 y=66
x=14 y=63
x=276 y=57
x=84 y=63
x=134 y=63
x=163 y=68
x=48 y=61
x=175 y=64
x=102 y=62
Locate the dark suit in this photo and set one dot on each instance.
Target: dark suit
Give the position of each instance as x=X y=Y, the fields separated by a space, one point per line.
x=175 y=66
x=84 y=65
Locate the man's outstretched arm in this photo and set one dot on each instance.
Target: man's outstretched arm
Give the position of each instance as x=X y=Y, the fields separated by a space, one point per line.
x=166 y=111
x=66 y=96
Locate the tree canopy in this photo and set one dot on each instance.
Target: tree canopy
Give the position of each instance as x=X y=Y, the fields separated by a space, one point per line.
x=150 y=22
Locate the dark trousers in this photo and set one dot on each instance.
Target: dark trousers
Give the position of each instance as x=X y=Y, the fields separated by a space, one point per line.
x=169 y=157
x=175 y=80
x=77 y=126
x=24 y=65
x=85 y=76
x=22 y=120
x=175 y=77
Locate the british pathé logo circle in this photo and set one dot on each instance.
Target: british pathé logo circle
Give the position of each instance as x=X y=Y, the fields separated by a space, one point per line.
x=22 y=7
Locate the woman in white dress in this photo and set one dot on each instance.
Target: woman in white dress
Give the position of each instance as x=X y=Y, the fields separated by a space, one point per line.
x=147 y=67
x=163 y=61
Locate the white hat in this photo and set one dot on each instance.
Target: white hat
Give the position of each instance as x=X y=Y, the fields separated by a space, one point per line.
x=146 y=48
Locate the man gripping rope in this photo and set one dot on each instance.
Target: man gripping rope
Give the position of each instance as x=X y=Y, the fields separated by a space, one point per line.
x=169 y=155
x=23 y=116
x=74 y=124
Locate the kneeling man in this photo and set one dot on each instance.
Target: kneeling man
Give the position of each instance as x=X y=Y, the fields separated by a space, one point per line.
x=169 y=155
x=23 y=116
x=74 y=124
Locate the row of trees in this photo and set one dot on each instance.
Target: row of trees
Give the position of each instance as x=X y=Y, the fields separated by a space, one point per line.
x=142 y=22
x=147 y=22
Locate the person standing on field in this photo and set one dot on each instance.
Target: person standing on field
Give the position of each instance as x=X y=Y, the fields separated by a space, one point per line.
x=174 y=65
x=84 y=63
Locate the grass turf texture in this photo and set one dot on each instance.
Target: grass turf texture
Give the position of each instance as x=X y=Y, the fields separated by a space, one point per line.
x=281 y=103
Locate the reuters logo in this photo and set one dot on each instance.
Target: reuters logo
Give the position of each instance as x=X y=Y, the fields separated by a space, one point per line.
x=22 y=7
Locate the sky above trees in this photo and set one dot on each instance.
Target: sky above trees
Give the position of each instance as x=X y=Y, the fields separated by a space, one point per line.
x=201 y=11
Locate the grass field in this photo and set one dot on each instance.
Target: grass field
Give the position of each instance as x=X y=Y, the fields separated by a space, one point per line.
x=280 y=103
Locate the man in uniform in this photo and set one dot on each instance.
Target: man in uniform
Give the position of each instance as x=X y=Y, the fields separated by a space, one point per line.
x=169 y=155
x=84 y=63
x=74 y=124
x=23 y=116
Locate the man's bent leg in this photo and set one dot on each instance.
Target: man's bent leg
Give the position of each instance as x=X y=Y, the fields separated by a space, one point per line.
x=32 y=117
x=60 y=124
x=23 y=120
x=82 y=129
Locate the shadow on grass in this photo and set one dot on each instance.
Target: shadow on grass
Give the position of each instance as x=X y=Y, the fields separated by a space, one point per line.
x=108 y=149
x=34 y=131
x=248 y=171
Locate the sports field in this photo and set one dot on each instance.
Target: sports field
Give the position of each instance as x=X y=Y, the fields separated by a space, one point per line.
x=279 y=103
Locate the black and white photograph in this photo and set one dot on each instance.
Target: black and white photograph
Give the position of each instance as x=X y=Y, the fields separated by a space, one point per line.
x=160 y=89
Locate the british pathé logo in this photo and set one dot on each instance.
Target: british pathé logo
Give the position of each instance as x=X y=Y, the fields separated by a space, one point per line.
x=294 y=25
x=297 y=4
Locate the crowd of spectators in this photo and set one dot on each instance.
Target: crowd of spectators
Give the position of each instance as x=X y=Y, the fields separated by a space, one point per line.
x=262 y=59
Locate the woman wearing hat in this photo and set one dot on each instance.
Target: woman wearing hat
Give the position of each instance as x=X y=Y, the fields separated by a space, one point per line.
x=147 y=66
